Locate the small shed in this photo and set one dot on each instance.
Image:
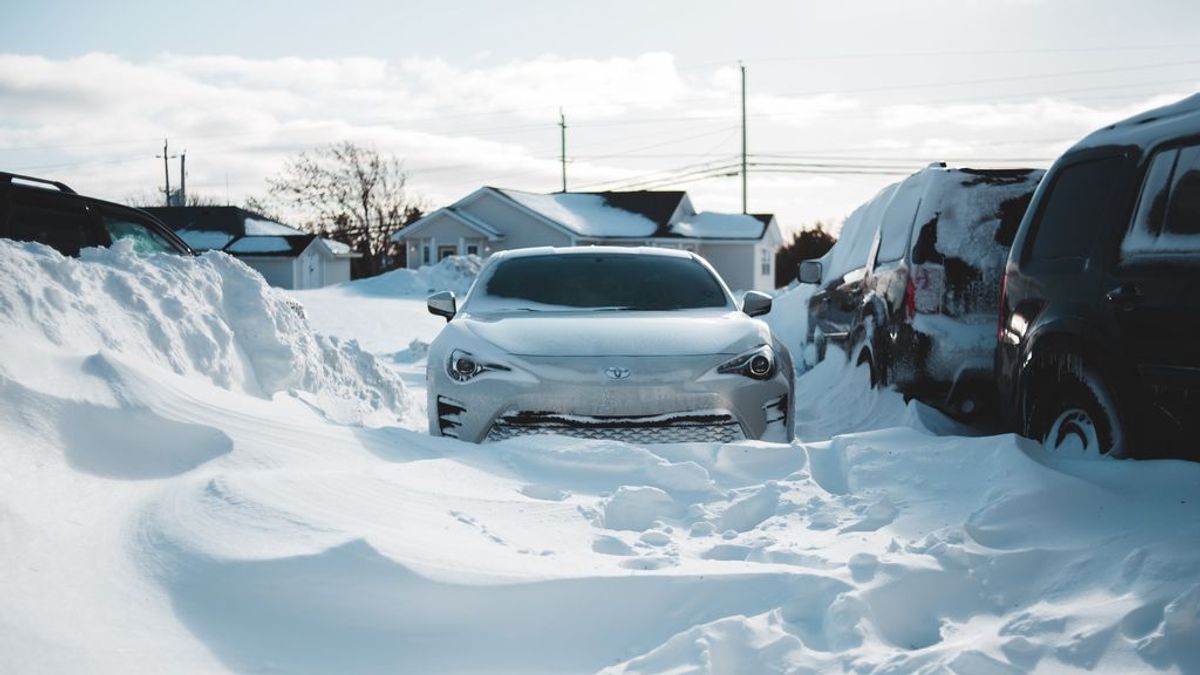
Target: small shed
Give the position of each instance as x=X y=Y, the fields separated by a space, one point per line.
x=284 y=255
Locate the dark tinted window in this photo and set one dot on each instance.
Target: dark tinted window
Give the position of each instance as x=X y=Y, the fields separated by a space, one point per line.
x=1183 y=214
x=50 y=218
x=624 y=281
x=128 y=225
x=1078 y=207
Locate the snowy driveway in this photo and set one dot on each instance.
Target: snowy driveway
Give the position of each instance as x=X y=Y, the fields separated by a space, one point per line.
x=194 y=482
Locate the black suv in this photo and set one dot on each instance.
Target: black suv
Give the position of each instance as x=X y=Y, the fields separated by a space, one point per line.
x=1099 y=333
x=926 y=310
x=34 y=209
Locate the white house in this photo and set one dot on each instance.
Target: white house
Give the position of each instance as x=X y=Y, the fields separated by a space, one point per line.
x=740 y=247
x=285 y=256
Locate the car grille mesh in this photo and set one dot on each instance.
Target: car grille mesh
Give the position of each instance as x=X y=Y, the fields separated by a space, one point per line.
x=714 y=427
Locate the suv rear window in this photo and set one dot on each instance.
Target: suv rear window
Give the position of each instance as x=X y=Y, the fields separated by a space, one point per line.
x=1078 y=207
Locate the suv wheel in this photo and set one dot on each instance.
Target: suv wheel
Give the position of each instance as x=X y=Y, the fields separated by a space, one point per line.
x=1072 y=414
x=875 y=377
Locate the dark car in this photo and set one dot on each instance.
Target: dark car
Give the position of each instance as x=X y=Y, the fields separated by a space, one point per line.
x=925 y=320
x=49 y=212
x=1099 y=335
x=831 y=311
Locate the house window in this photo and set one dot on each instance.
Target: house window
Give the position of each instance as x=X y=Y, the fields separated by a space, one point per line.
x=472 y=249
x=766 y=262
x=446 y=250
x=424 y=255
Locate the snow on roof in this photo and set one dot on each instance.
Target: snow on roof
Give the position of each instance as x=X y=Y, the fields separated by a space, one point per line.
x=337 y=247
x=205 y=240
x=585 y=214
x=256 y=244
x=709 y=225
x=259 y=226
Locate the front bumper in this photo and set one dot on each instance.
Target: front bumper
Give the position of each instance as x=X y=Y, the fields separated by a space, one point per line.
x=664 y=400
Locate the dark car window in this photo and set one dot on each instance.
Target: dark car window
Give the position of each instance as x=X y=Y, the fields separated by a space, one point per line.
x=1078 y=207
x=122 y=225
x=1152 y=206
x=51 y=218
x=607 y=280
x=1183 y=213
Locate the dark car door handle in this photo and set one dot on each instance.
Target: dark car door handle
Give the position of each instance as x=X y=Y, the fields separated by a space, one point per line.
x=1124 y=296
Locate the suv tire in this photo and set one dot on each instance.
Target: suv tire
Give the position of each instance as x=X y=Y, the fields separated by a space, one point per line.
x=1072 y=412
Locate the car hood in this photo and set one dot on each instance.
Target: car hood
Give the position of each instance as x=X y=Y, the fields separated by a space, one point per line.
x=677 y=333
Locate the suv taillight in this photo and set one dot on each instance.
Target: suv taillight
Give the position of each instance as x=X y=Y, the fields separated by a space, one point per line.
x=910 y=298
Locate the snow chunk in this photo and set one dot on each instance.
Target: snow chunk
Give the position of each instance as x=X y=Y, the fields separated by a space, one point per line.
x=256 y=244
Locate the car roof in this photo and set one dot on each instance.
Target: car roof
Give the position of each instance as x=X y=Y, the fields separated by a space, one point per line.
x=592 y=250
x=1147 y=129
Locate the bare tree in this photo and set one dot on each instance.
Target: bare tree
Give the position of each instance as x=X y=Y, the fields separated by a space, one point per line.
x=352 y=194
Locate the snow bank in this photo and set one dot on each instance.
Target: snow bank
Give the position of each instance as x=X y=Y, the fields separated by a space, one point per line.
x=209 y=317
x=455 y=273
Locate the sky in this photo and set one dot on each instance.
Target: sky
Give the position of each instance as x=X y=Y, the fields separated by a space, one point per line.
x=842 y=97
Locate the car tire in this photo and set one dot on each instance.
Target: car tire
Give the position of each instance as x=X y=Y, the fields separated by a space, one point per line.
x=1072 y=413
x=873 y=370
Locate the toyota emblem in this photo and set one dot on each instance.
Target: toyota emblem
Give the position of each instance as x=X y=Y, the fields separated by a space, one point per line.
x=616 y=373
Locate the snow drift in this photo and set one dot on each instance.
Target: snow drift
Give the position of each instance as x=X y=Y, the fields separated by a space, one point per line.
x=163 y=509
x=210 y=316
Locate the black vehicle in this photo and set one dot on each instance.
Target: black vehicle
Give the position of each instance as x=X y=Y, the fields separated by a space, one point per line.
x=925 y=319
x=49 y=212
x=1099 y=334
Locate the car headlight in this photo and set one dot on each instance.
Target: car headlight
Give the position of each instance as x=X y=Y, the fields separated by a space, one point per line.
x=758 y=363
x=464 y=366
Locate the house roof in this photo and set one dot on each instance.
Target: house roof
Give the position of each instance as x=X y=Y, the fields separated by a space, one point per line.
x=270 y=245
x=639 y=214
x=239 y=231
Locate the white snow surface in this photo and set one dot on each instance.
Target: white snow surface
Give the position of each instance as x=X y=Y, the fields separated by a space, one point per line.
x=262 y=227
x=708 y=225
x=585 y=214
x=155 y=520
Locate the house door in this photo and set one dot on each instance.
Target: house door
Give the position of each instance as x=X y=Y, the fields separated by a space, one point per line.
x=446 y=250
x=311 y=273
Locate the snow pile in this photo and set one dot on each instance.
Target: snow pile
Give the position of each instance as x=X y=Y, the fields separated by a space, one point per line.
x=209 y=317
x=455 y=273
x=788 y=320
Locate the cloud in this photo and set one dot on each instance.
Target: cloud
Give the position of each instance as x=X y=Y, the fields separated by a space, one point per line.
x=97 y=121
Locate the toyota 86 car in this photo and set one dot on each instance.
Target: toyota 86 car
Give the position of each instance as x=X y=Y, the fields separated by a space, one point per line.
x=636 y=344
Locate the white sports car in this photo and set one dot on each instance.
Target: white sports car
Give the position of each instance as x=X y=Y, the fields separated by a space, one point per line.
x=644 y=345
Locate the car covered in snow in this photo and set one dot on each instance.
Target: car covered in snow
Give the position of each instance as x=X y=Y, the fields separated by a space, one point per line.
x=925 y=306
x=51 y=213
x=1099 y=335
x=639 y=344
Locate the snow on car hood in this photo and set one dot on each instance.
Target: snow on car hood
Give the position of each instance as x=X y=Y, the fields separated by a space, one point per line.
x=599 y=333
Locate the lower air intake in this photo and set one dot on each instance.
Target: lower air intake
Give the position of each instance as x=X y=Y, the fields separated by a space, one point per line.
x=695 y=427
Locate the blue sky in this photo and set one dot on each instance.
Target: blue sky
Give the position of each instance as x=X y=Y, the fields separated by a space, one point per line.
x=468 y=93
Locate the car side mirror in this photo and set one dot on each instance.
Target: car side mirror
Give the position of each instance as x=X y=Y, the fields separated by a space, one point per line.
x=810 y=272
x=756 y=303
x=442 y=304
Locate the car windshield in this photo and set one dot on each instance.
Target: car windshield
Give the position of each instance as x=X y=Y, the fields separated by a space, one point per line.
x=602 y=281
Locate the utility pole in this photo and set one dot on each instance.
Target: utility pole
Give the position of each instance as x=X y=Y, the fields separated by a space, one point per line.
x=166 y=173
x=183 y=178
x=742 y=66
x=562 y=127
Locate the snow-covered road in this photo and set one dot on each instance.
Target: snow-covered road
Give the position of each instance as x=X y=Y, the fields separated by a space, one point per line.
x=173 y=500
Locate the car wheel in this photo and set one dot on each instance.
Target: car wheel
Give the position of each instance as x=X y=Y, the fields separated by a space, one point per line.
x=1073 y=414
x=874 y=378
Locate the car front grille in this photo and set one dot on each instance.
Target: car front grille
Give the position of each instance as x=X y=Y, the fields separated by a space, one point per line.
x=692 y=427
x=448 y=412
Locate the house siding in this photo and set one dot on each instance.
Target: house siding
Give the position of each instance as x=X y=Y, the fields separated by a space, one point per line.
x=520 y=229
x=732 y=262
x=279 y=272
